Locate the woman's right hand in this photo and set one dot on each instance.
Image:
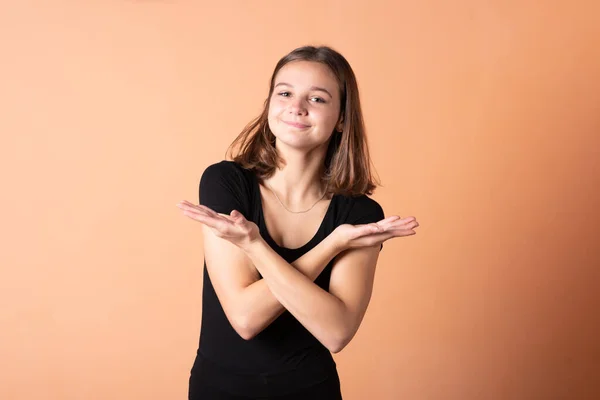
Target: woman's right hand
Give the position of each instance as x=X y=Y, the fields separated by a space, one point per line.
x=234 y=227
x=352 y=236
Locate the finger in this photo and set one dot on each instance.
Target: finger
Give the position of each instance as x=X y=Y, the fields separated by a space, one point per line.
x=379 y=238
x=193 y=211
x=238 y=217
x=182 y=204
x=199 y=211
x=385 y=223
x=201 y=208
x=200 y=217
x=403 y=223
x=220 y=225
x=186 y=205
x=402 y=232
x=375 y=239
x=235 y=214
x=367 y=229
x=411 y=225
x=377 y=227
x=389 y=219
x=209 y=211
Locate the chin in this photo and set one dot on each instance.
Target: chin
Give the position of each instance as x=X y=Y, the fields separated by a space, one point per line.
x=295 y=142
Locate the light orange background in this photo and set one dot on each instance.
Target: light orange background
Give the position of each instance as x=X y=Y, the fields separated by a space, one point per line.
x=484 y=123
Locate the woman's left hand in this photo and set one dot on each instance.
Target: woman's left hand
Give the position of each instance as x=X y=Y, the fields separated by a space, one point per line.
x=234 y=227
x=351 y=236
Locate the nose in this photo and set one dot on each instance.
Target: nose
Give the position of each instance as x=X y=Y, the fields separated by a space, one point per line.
x=297 y=107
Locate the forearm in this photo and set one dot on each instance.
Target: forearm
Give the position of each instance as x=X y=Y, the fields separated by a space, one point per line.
x=258 y=307
x=316 y=309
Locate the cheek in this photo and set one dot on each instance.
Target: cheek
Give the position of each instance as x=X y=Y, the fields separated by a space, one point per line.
x=328 y=118
x=273 y=114
x=277 y=101
x=275 y=108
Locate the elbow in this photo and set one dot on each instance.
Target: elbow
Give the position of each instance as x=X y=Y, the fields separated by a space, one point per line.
x=337 y=346
x=244 y=333
x=243 y=327
x=338 y=343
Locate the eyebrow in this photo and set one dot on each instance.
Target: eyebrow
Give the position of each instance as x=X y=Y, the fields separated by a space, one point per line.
x=316 y=88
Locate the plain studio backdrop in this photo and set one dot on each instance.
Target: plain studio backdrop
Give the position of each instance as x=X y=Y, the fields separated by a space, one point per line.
x=483 y=119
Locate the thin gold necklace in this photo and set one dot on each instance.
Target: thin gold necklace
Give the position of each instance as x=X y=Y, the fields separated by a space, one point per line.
x=294 y=212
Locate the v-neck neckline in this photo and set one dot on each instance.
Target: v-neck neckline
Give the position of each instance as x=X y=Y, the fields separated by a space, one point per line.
x=267 y=234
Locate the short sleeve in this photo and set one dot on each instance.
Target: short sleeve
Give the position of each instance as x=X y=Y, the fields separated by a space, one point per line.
x=224 y=188
x=365 y=210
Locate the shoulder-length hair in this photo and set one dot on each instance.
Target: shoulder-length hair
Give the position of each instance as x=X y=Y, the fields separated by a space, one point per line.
x=347 y=162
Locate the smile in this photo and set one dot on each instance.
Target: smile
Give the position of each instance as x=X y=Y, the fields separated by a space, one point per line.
x=296 y=125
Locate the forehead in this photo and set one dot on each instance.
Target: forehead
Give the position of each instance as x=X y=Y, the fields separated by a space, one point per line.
x=307 y=74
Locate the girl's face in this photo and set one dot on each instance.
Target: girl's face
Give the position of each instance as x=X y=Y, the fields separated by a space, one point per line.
x=304 y=108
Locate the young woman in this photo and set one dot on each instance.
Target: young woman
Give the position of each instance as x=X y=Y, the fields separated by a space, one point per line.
x=291 y=239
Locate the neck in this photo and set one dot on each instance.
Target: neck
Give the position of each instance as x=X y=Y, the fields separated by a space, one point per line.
x=298 y=182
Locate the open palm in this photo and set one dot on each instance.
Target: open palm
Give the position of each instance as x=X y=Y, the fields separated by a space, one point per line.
x=234 y=227
x=352 y=236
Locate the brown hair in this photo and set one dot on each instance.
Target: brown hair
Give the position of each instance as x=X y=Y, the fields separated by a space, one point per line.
x=347 y=163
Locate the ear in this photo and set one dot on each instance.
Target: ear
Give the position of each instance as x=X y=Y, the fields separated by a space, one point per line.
x=339 y=127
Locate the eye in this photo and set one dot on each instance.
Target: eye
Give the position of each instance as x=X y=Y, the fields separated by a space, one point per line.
x=317 y=100
x=285 y=94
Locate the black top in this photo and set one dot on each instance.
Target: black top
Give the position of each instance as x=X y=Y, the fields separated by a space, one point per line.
x=285 y=345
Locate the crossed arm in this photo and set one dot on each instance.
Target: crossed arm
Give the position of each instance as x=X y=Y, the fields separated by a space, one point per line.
x=251 y=304
x=332 y=317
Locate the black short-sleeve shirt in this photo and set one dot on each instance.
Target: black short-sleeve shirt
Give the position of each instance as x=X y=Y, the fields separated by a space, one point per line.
x=285 y=347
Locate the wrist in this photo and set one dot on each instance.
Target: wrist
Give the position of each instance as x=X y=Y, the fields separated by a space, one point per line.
x=252 y=245
x=337 y=242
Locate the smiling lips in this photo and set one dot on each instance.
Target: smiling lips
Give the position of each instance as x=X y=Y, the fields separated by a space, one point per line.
x=296 y=124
